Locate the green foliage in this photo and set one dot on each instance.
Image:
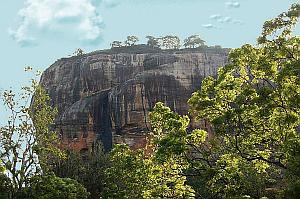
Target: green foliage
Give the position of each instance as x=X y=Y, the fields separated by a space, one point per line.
x=293 y=173
x=174 y=141
x=27 y=144
x=78 y=52
x=127 y=177
x=168 y=43
x=5 y=184
x=116 y=44
x=254 y=102
x=253 y=150
x=131 y=40
x=293 y=191
x=193 y=41
x=50 y=186
x=88 y=168
x=132 y=175
x=171 y=42
x=253 y=106
x=153 y=42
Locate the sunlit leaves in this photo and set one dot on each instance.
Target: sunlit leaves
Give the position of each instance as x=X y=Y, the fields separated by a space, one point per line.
x=253 y=107
x=131 y=175
x=50 y=186
x=197 y=136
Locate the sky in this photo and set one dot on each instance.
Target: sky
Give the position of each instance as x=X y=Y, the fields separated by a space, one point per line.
x=38 y=32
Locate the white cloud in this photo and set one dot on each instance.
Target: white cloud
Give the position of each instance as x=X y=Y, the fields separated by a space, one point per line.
x=215 y=16
x=208 y=26
x=233 y=4
x=225 y=19
x=74 y=19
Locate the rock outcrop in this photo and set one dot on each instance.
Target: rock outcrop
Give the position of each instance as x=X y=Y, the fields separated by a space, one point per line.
x=107 y=95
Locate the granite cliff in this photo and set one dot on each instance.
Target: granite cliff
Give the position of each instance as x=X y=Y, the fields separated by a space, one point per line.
x=107 y=95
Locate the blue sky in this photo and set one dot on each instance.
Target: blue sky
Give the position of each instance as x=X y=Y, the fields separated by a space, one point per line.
x=37 y=32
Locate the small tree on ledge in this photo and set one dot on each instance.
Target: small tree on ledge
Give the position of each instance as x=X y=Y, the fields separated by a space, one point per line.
x=116 y=44
x=131 y=40
x=78 y=52
x=193 y=41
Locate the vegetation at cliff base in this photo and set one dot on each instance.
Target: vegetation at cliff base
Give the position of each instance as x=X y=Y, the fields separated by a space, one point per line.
x=253 y=109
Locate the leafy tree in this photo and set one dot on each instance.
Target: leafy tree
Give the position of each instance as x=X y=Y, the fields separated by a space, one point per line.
x=27 y=145
x=131 y=40
x=153 y=42
x=116 y=44
x=171 y=42
x=293 y=173
x=50 y=186
x=78 y=52
x=172 y=141
x=127 y=176
x=131 y=175
x=5 y=184
x=193 y=41
x=254 y=103
x=253 y=107
x=209 y=172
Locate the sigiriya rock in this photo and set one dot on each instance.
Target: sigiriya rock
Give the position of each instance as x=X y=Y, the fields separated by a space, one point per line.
x=107 y=95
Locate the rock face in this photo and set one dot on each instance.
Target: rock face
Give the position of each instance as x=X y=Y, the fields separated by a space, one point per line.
x=107 y=95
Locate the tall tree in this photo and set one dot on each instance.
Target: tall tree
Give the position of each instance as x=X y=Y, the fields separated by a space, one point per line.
x=78 y=52
x=26 y=142
x=153 y=42
x=171 y=42
x=50 y=187
x=88 y=169
x=193 y=41
x=132 y=175
x=255 y=100
x=131 y=40
x=116 y=44
x=253 y=107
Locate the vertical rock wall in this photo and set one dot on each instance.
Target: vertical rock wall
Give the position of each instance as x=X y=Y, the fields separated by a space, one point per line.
x=108 y=96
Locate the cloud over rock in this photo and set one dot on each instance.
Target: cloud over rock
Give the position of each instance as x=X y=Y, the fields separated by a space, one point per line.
x=57 y=18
